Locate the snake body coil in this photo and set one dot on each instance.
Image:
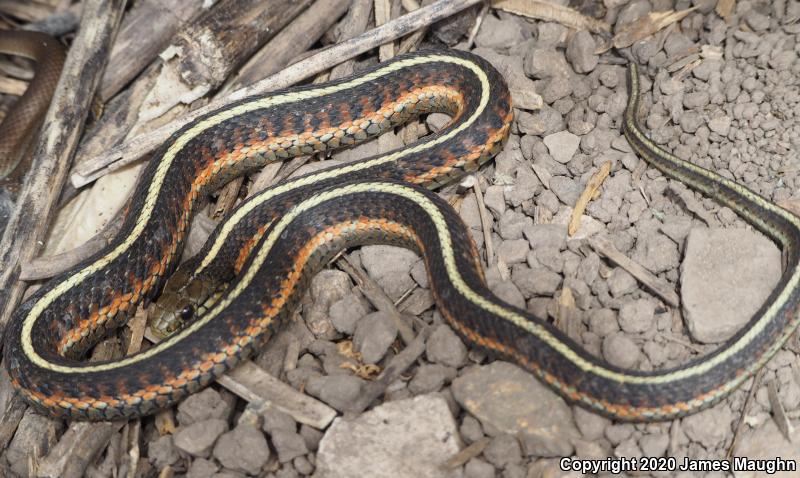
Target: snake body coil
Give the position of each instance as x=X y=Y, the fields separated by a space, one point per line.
x=270 y=245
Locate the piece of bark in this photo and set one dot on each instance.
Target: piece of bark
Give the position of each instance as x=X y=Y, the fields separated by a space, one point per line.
x=202 y=55
x=252 y=383
x=135 y=148
x=354 y=24
x=145 y=31
x=27 y=227
x=59 y=22
x=292 y=41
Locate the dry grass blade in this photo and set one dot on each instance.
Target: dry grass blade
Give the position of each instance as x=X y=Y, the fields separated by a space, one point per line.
x=647 y=25
x=542 y=10
x=588 y=193
x=466 y=454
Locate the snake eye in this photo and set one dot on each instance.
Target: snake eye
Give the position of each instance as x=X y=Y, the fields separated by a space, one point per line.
x=187 y=312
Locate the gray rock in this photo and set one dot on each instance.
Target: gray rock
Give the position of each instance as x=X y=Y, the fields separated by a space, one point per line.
x=590 y=424
x=566 y=189
x=162 y=452
x=541 y=235
x=346 y=312
x=656 y=252
x=513 y=251
x=446 y=348
x=603 y=322
x=725 y=277
x=327 y=287
x=374 y=334
x=547 y=256
x=710 y=427
x=204 y=405
x=275 y=420
x=338 y=391
x=720 y=125
x=311 y=436
x=398 y=439
x=499 y=34
x=389 y=266
x=477 y=468
x=580 y=52
x=202 y=468
x=536 y=281
x=494 y=198
x=303 y=465
x=620 y=282
x=509 y=293
x=621 y=351
x=471 y=430
x=562 y=145
x=654 y=444
x=502 y=451
x=288 y=444
x=637 y=316
x=512 y=223
x=506 y=399
x=198 y=438
x=430 y=378
x=242 y=449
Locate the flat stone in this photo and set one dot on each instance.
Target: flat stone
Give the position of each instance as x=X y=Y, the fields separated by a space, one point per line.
x=338 y=391
x=446 y=348
x=198 y=438
x=288 y=444
x=389 y=266
x=726 y=276
x=710 y=427
x=562 y=145
x=242 y=449
x=400 y=439
x=374 y=334
x=204 y=405
x=507 y=399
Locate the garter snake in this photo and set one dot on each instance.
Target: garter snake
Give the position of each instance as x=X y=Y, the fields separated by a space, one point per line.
x=27 y=113
x=270 y=245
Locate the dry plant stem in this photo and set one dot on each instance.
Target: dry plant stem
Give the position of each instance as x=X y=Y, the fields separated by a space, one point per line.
x=292 y=41
x=58 y=23
x=750 y=394
x=550 y=11
x=145 y=31
x=485 y=224
x=354 y=24
x=77 y=448
x=588 y=193
x=225 y=36
x=382 y=15
x=132 y=150
x=63 y=124
x=661 y=288
x=252 y=383
x=477 y=27
x=9 y=420
x=395 y=368
x=465 y=455
x=377 y=297
x=48 y=266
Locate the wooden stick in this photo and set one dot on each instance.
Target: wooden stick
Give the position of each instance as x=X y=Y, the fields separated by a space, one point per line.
x=135 y=148
x=661 y=288
x=26 y=230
